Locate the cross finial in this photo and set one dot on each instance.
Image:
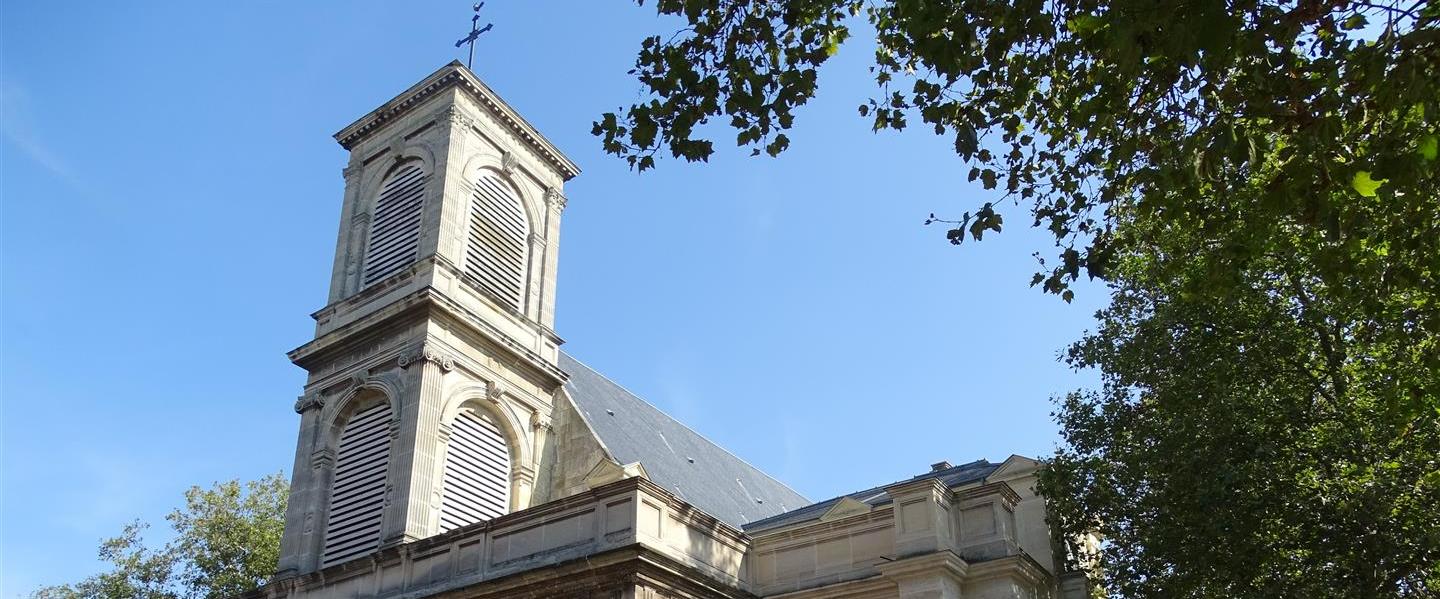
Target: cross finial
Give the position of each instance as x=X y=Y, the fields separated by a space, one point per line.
x=475 y=31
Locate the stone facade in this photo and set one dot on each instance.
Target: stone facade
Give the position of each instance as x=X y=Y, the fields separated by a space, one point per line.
x=589 y=512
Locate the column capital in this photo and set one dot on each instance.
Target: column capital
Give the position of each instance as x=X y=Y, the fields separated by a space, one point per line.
x=309 y=401
x=427 y=352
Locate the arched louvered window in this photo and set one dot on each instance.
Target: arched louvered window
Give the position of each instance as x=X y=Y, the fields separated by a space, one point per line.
x=395 y=223
x=498 y=241
x=477 y=472
x=357 y=498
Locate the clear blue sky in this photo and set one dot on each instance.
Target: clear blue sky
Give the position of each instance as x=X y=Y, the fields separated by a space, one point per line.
x=171 y=192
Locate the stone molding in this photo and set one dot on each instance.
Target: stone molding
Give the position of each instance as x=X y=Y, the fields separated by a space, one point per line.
x=322 y=458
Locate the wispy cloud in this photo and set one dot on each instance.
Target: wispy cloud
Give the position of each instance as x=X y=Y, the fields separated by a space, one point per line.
x=18 y=126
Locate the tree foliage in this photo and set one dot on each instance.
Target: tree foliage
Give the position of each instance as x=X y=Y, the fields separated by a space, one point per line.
x=1256 y=182
x=227 y=541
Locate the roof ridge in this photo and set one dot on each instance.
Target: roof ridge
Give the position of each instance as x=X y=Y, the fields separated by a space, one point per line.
x=688 y=428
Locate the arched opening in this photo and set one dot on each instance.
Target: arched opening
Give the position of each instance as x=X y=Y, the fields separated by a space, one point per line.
x=476 y=481
x=395 y=223
x=498 y=240
x=357 y=495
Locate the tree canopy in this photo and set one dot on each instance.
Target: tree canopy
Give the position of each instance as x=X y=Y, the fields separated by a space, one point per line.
x=1256 y=184
x=227 y=541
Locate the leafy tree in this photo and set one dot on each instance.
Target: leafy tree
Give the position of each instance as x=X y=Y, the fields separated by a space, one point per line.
x=137 y=572
x=1273 y=440
x=227 y=541
x=1255 y=182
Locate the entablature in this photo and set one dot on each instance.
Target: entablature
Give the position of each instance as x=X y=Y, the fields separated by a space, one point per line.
x=455 y=75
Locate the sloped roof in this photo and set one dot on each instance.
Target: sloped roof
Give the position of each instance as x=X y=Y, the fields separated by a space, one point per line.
x=687 y=464
x=951 y=477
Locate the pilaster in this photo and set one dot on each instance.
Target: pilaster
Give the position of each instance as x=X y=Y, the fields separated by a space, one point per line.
x=985 y=519
x=922 y=517
x=452 y=208
x=417 y=448
x=306 y=492
x=353 y=225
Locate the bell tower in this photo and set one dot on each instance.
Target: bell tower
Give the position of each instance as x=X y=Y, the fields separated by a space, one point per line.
x=434 y=367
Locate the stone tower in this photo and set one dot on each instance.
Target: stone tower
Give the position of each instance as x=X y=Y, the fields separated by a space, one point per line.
x=434 y=372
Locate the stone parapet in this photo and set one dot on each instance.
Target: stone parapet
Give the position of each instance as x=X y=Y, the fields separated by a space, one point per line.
x=631 y=529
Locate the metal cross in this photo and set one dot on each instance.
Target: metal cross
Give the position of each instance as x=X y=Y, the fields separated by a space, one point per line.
x=475 y=31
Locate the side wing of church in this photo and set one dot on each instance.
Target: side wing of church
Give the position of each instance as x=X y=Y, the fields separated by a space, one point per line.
x=448 y=448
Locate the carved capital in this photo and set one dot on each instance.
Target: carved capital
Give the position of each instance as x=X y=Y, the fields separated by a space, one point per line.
x=454 y=116
x=539 y=423
x=508 y=162
x=350 y=173
x=554 y=199
x=427 y=352
x=309 y=402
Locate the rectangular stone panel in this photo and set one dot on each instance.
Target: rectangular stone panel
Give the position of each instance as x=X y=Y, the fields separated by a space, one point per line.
x=915 y=517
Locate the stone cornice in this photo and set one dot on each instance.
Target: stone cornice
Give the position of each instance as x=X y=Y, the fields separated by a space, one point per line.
x=425 y=298
x=1020 y=566
x=456 y=75
x=926 y=565
x=1004 y=490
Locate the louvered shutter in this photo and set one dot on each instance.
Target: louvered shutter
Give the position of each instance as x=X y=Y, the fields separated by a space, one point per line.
x=395 y=224
x=498 y=240
x=357 y=498
x=477 y=472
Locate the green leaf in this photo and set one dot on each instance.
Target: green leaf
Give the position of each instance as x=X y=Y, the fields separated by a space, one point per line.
x=1084 y=24
x=1364 y=185
x=1428 y=147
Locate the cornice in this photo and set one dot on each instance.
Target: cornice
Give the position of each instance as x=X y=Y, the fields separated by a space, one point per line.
x=1020 y=566
x=1002 y=489
x=926 y=565
x=456 y=75
x=421 y=301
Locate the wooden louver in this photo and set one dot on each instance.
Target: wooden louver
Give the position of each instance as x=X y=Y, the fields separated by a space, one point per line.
x=357 y=498
x=477 y=472
x=395 y=224
x=495 y=255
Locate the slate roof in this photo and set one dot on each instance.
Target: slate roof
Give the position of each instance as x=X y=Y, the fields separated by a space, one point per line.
x=692 y=467
x=951 y=477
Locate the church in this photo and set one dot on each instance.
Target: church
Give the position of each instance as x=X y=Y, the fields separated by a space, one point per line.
x=448 y=448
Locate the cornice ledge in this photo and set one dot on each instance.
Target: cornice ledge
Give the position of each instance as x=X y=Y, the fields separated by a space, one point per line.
x=1016 y=566
x=495 y=335
x=926 y=565
x=1002 y=488
x=455 y=74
